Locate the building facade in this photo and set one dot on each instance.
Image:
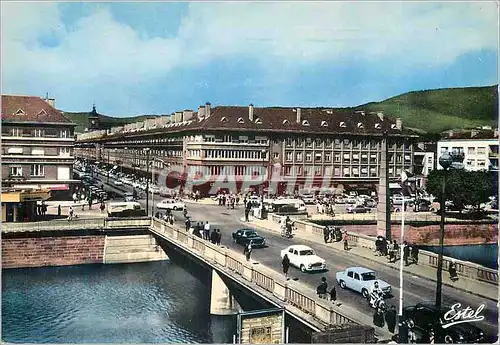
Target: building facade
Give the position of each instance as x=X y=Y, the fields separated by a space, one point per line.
x=425 y=162
x=37 y=146
x=480 y=147
x=310 y=145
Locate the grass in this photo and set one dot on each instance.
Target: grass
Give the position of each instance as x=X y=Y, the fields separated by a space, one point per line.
x=434 y=111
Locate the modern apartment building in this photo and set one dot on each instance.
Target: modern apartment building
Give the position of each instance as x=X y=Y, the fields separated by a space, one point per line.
x=37 y=146
x=425 y=161
x=340 y=145
x=480 y=147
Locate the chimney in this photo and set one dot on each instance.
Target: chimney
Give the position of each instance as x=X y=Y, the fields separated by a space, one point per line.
x=178 y=116
x=450 y=133
x=380 y=115
x=207 y=109
x=299 y=117
x=201 y=112
x=187 y=114
x=250 y=112
x=399 y=123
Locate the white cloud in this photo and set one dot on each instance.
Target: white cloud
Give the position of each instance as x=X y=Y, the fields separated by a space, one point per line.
x=101 y=51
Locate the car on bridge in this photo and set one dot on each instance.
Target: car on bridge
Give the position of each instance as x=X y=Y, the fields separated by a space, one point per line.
x=361 y=280
x=357 y=209
x=304 y=258
x=425 y=316
x=245 y=236
x=171 y=204
x=118 y=183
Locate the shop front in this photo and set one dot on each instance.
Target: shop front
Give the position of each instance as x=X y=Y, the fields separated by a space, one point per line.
x=19 y=205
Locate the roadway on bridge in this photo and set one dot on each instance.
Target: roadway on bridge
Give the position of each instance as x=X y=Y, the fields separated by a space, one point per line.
x=415 y=289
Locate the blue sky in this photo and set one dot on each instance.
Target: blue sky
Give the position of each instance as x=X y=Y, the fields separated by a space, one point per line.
x=156 y=58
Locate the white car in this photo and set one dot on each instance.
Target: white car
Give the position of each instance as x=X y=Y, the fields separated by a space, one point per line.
x=360 y=279
x=304 y=258
x=170 y=204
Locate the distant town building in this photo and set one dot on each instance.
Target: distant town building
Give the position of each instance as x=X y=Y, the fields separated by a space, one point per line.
x=480 y=147
x=305 y=142
x=37 y=146
x=425 y=160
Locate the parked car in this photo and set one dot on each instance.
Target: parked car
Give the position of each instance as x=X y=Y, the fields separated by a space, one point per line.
x=129 y=197
x=304 y=258
x=361 y=280
x=171 y=204
x=370 y=203
x=357 y=209
x=245 y=236
x=425 y=315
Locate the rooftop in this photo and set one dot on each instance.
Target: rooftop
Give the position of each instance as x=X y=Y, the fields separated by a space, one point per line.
x=30 y=109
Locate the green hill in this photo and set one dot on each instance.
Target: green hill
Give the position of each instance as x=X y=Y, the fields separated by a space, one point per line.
x=438 y=110
x=106 y=122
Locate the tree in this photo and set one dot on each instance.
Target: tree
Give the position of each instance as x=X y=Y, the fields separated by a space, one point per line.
x=462 y=187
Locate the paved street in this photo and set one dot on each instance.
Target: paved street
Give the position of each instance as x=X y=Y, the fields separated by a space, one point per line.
x=415 y=289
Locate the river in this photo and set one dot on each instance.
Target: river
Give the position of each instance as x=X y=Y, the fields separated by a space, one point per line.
x=154 y=302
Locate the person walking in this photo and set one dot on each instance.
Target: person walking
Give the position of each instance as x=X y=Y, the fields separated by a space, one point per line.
x=390 y=319
x=326 y=234
x=248 y=251
x=406 y=252
x=206 y=232
x=188 y=224
x=102 y=207
x=414 y=254
x=70 y=213
x=333 y=294
x=452 y=269
x=322 y=288
x=285 y=263
x=219 y=237
x=59 y=210
x=213 y=236
x=247 y=212
x=345 y=238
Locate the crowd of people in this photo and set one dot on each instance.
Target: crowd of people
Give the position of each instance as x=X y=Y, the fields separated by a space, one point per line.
x=392 y=250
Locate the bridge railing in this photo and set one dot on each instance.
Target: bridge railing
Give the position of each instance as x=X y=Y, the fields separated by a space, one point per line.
x=464 y=268
x=301 y=298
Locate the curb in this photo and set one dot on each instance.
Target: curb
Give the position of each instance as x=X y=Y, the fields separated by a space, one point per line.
x=395 y=268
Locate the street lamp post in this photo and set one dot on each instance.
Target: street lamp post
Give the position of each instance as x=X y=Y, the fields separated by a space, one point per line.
x=147 y=180
x=107 y=178
x=447 y=162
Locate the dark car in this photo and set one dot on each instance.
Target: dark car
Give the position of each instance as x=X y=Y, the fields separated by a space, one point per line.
x=426 y=316
x=244 y=236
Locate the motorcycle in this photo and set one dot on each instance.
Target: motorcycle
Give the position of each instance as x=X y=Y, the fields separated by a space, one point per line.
x=376 y=301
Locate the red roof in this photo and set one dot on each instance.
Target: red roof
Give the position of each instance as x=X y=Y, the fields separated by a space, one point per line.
x=30 y=109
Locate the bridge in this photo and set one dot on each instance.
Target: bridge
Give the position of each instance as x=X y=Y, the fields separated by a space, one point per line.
x=229 y=268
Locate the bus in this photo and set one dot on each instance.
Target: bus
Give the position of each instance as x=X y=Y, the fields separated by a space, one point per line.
x=125 y=209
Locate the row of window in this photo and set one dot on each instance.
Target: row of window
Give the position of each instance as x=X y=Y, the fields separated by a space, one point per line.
x=339 y=143
x=236 y=139
x=37 y=132
x=36 y=170
x=481 y=150
x=338 y=157
x=38 y=151
x=236 y=154
x=481 y=163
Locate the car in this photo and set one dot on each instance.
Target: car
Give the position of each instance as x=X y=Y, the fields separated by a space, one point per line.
x=129 y=197
x=170 y=204
x=308 y=199
x=304 y=258
x=118 y=183
x=424 y=315
x=361 y=280
x=245 y=236
x=357 y=209
x=370 y=203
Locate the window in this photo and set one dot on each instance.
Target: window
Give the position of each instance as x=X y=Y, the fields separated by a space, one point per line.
x=16 y=171
x=223 y=119
x=299 y=142
x=342 y=124
x=64 y=133
x=471 y=150
x=309 y=142
x=481 y=163
x=378 y=126
x=37 y=151
x=347 y=172
x=373 y=172
x=471 y=162
x=66 y=151
x=42 y=113
x=336 y=171
x=481 y=150
x=308 y=157
x=360 y=125
x=328 y=157
x=286 y=122
x=276 y=155
x=258 y=121
x=305 y=123
x=324 y=124
x=317 y=171
x=318 y=143
x=16 y=132
x=240 y=120
x=350 y=274
x=37 y=170
x=210 y=138
x=328 y=143
x=15 y=150
x=429 y=160
x=317 y=157
x=19 y=112
x=289 y=142
x=337 y=157
x=63 y=173
x=289 y=156
x=444 y=149
x=347 y=143
x=299 y=156
x=243 y=139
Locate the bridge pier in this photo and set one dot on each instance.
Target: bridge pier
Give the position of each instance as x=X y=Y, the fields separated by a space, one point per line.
x=222 y=302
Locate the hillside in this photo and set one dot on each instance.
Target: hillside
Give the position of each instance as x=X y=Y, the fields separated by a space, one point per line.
x=435 y=111
x=106 y=122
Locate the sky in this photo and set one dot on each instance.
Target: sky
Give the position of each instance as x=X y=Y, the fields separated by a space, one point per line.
x=159 y=57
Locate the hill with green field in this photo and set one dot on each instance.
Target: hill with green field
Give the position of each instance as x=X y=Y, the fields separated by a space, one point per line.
x=434 y=111
x=106 y=122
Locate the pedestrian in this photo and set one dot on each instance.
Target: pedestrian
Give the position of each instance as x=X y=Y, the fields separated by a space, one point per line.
x=102 y=207
x=378 y=318
x=247 y=212
x=333 y=294
x=345 y=238
x=83 y=205
x=390 y=319
x=90 y=203
x=406 y=252
x=75 y=198
x=59 y=210
x=412 y=337
x=248 y=251
x=219 y=237
x=188 y=224
x=213 y=236
x=326 y=234
x=322 y=288
x=452 y=269
x=285 y=263
x=206 y=232
x=414 y=254
x=171 y=219
x=70 y=213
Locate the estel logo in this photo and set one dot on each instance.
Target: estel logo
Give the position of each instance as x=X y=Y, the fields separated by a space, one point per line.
x=457 y=315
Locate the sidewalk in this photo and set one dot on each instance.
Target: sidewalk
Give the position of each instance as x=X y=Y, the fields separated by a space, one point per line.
x=481 y=289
